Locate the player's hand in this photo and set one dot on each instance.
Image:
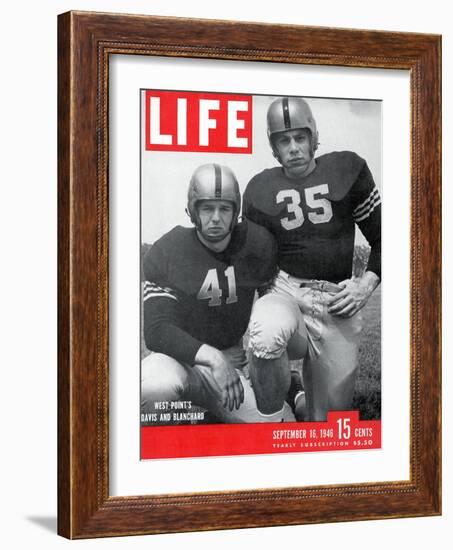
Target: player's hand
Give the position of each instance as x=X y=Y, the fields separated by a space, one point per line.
x=239 y=359
x=353 y=296
x=224 y=375
x=227 y=378
x=237 y=356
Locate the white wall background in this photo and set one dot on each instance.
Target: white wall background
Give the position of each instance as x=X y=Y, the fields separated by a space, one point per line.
x=28 y=215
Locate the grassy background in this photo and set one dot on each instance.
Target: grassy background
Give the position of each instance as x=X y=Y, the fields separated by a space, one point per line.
x=367 y=394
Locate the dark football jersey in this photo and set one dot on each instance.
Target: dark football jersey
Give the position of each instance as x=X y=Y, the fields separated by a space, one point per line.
x=313 y=218
x=211 y=294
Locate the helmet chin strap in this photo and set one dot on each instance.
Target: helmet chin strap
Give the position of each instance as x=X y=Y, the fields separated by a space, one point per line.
x=195 y=220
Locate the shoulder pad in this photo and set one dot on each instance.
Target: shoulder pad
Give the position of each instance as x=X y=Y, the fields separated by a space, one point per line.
x=164 y=251
x=178 y=245
x=266 y=180
x=342 y=168
x=259 y=238
x=257 y=259
x=173 y=237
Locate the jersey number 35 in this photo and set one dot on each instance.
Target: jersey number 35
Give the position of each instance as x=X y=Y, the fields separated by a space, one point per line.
x=322 y=208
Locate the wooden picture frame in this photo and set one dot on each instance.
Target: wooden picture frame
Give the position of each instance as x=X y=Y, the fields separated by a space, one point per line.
x=85 y=41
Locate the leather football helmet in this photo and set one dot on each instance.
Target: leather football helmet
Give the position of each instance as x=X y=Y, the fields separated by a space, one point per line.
x=291 y=113
x=213 y=182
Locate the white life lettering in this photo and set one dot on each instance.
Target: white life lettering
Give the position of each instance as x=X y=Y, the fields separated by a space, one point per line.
x=182 y=121
x=235 y=124
x=156 y=137
x=206 y=123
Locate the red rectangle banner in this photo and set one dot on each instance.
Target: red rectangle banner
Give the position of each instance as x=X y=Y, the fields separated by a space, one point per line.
x=343 y=431
x=198 y=122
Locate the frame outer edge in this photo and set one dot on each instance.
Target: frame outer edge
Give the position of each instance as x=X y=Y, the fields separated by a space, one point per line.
x=89 y=305
x=432 y=102
x=80 y=303
x=64 y=340
x=439 y=168
x=426 y=275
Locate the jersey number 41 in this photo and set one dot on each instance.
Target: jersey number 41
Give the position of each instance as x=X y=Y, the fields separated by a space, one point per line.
x=210 y=289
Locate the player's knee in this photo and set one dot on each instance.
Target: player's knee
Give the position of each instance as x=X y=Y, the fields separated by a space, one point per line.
x=163 y=379
x=273 y=322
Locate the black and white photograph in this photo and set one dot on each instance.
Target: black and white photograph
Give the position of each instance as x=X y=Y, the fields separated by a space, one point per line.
x=261 y=259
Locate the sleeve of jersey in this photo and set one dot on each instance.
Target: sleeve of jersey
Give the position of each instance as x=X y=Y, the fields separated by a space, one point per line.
x=162 y=313
x=162 y=320
x=367 y=215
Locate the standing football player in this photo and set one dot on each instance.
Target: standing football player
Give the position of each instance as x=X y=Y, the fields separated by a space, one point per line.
x=311 y=205
x=199 y=290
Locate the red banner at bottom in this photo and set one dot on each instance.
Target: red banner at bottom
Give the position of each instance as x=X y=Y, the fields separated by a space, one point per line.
x=343 y=431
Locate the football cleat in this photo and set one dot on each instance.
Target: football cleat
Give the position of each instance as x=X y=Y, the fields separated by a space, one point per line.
x=296 y=396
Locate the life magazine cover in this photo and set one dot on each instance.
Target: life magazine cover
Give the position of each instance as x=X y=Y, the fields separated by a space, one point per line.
x=260 y=274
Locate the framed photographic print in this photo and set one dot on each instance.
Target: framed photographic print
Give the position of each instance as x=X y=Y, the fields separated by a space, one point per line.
x=249 y=275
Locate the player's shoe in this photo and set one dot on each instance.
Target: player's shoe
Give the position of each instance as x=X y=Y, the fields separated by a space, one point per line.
x=287 y=414
x=248 y=412
x=300 y=406
x=284 y=415
x=296 y=396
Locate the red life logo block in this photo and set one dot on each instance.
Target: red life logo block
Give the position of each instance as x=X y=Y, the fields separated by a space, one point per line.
x=198 y=122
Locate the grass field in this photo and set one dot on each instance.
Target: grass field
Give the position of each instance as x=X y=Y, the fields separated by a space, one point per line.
x=367 y=395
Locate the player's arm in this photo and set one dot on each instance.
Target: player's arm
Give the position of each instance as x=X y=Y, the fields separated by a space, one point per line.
x=367 y=215
x=163 y=322
x=163 y=313
x=163 y=334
